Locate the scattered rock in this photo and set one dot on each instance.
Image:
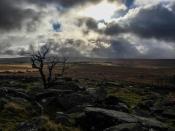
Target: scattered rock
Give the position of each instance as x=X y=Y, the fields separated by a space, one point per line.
x=100 y=119
x=113 y=103
x=115 y=84
x=169 y=113
x=101 y=93
x=3 y=101
x=112 y=100
x=67 y=85
x=51 y=93
x=70 y=101
x=151 y=123
x=126 y=127
x=62 y=118
x=119 y=116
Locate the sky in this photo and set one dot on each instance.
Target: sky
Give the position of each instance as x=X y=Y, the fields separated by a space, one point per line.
x=89 y=28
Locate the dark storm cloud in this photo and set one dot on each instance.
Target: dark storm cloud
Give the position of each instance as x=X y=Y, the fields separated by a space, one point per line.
x=89 y=22
x=154 y=22
x=158 y=22
x=114 y=28
x=156 y=53
x=67 y=47
x=63 y=3
x=16 y=52
x=117 y=49
x=12 y=16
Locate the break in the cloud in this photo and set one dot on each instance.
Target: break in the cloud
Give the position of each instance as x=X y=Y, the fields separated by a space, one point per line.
x=93 y=28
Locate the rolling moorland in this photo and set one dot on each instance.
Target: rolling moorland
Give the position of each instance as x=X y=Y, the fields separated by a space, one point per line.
x=93 y=95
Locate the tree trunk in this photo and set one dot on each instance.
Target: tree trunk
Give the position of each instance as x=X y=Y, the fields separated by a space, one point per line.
x=43 y=78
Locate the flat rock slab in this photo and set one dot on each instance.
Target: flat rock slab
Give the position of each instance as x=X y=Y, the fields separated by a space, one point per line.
x=122 y=117
x=126 y=127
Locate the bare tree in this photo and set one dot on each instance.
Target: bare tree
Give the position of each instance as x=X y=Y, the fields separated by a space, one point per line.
x=51 y=63
x=40 y=60
x=63 y=67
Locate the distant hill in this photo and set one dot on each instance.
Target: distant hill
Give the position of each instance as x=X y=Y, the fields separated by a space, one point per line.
x=17 y=60
x=118 y=62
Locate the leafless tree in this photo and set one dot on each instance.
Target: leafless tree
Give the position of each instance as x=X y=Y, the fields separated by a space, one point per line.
x=51 y=63
x=63 y=65
x=40 y=60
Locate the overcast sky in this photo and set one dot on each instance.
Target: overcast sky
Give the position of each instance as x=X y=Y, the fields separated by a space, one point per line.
x=91 y=28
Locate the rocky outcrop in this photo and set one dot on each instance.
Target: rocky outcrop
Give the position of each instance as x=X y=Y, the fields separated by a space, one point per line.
x=100 y=119
x=127 y=127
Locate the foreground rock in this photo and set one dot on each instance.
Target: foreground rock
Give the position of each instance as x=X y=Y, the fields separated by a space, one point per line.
x=67 y=84
x=63 y=119
x=113 y=103
x=55 y=100
x=127 y=127
x=98 y=119
x=70 y=101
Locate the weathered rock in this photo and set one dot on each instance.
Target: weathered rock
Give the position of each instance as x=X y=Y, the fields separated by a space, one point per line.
x=51 y=93
x=143 y=113
x=3 y=101
x=170 y=113
x=100 y=119
x=101 y=93
x=78 y=108
x=62 y=118
x=50 y=105
x=119 y=116
x=112 y=100
x=145 y=108
x=145 y=105
x=171 y=129
x=119 y=107
x=70 y=101
x=126 y=127
x=6 y=91
x=151 y=123
x=157 y=110
x=67 y=85
x=115 y=84
x=113 y=103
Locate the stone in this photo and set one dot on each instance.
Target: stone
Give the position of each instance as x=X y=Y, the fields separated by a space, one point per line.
x=126 y=127
x=119 y=116
x=151 y=123
x=101 y=93
x=3 y=101
x=69 y=101
x=112 y=100
x=100 y=119
x=113 y=103
x=62 y=118
x=67 y=85
x=170 y=113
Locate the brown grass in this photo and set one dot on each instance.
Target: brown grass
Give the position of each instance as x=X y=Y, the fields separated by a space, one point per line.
x=100 y=71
